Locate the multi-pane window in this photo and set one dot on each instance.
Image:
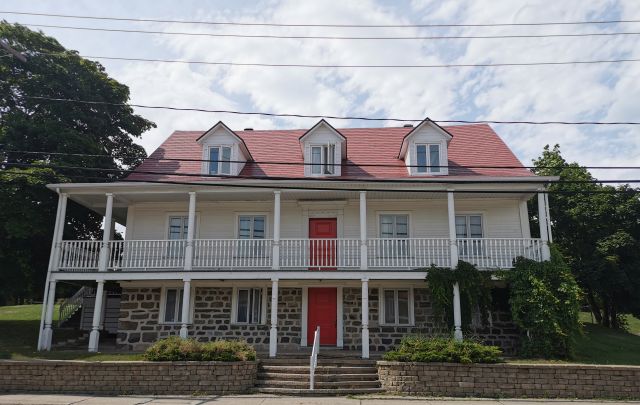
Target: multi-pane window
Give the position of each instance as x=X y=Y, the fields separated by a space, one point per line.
x=468 y=231
x=178 y=230
x=251 y=227
x=396 y=303
x=249 y=305
x=428 y=158
x=173 y=305
x=219 y=160
x=394 y=226
x=323 y=159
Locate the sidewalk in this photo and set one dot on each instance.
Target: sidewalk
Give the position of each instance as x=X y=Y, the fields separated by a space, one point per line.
x=260 y=399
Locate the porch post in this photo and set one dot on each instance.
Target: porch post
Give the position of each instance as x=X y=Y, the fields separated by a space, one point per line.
x=275 y=256
x=542 y=220
x=546 y=201
x=365 y=318
x=106 y=235
x=58 y=230
x=453 y=245
x=364 y=265
x=188 y=252
x=94 y=337
x=186 y=311
x=273 y=334
x=48 y=322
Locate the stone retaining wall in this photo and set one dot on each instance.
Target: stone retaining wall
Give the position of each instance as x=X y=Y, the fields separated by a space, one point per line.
x=511 y=380
x=120 y=377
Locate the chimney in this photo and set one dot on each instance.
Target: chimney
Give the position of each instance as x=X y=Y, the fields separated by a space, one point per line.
x=408 y=125
x=248 y=129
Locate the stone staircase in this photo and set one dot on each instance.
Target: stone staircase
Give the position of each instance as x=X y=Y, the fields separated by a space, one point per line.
x=333 y=376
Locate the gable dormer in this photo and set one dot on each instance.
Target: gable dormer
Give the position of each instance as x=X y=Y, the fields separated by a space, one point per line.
x=323 y=148
x=223 y=151
x=424 y=148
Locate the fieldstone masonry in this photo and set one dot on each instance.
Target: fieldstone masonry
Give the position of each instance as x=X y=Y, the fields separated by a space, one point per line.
x=140 y=308
x=511 y=380
x=124 y=377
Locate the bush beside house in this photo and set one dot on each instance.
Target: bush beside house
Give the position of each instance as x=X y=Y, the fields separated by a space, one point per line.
x=443 y=350
x=175 y=348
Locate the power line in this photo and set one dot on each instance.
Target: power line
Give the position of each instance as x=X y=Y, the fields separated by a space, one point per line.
x=315 y=179
x=304 y=65
x=251 y=24
x=279 y=187
x=204 y=110
x=342 y=164
x=329 y=37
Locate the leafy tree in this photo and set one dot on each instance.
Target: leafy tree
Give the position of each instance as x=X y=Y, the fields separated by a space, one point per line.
x=599 y=235
x=27 y=209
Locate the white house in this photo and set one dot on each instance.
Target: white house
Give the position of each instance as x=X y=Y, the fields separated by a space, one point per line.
x=266 y=235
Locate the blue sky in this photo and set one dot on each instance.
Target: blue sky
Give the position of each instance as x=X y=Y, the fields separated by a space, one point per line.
x=584 y=92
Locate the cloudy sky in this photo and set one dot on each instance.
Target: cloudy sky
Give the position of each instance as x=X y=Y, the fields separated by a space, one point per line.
x=605 y=92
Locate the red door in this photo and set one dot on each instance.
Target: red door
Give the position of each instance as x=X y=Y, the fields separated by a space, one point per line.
x=322 y=312
x=322 y=252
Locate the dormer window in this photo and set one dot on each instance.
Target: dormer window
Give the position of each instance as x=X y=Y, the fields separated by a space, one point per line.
x=428 y=158
x=323 y=159
x=219 y=160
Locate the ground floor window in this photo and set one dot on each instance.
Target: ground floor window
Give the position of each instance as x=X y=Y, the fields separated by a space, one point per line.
x=396 y=306
x=172 y=305
x=250 y=305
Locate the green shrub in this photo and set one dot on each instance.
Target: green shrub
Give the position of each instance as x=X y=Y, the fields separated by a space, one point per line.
x=444 y=350
x=175 y=348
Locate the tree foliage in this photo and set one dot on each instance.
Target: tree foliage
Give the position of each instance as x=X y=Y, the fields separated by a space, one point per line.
x=545 y=304
x=599 y=236
x=27 y=209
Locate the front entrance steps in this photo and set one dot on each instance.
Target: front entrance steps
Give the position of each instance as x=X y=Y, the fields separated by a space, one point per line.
x=334 y=376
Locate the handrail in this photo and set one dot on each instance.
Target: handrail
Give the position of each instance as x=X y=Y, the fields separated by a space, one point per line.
x=69 y=306
x=313 y=362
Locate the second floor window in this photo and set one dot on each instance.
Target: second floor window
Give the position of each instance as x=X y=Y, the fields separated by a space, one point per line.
x=219 y=160
x=428 y=158
x=251 y=226
x=178 y=231
x=323 y=159
x=394 y=226
x=468 y=226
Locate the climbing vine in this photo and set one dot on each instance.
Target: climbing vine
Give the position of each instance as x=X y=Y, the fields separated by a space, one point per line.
x=475 y=292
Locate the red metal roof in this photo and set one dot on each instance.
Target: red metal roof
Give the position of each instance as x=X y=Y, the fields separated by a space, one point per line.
x=472 y=145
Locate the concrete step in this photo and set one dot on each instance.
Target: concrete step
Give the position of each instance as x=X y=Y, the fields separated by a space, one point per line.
x=269 y=376
x=319 y=370
x=321 y=361
x=318 y=384
x=320 y=391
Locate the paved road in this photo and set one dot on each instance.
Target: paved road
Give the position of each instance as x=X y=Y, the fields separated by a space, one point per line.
x=39 y=399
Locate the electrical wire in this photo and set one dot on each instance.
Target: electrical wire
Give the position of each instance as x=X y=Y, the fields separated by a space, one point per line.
x=158 y=107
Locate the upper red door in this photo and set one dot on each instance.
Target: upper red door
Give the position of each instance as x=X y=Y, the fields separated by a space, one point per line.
x=322 y=253
x=323 y=312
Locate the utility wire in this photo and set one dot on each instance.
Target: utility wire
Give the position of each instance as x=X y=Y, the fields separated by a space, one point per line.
x=278 y=187
x=329 y=37
x=259 y=24
x=315 y=179
x=343 y=164
x=304 y=65
x=157 y=107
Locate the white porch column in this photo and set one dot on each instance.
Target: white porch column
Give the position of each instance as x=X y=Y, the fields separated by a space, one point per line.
x=94 y=337
x=106 y=235
x=365 y=318
x=48 y=321
x=273 y=334
x=542 y=220
x=453 y=245
x=364 y=259
x=188 y=253
x=186 y=311
x=58 y=230
x=546 y=201
x=275 y=256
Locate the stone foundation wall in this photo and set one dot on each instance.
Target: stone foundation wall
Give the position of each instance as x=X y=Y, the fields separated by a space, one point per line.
x=140 y=308
x=121 y=378
x=511 y=380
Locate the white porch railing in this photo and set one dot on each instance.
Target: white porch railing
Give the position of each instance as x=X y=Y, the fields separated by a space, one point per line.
x=313 y=361
x=319 y=253
x=491 y=253
x=410 y=253
x=313 y=254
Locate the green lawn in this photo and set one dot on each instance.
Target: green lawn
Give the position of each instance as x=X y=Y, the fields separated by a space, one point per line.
x=632 y=322
x=19 y=337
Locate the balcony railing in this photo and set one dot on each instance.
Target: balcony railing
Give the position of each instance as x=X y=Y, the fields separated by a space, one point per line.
x=295 y=254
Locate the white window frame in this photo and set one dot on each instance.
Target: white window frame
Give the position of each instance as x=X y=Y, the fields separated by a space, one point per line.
x=381 y=308
x=468 y=223
x=427 y=168
x=383 y=213
x=234 y=306
x=184 y=215
x=252 y=214
x=323 y=163
x=163 y=305
x=220 y=161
